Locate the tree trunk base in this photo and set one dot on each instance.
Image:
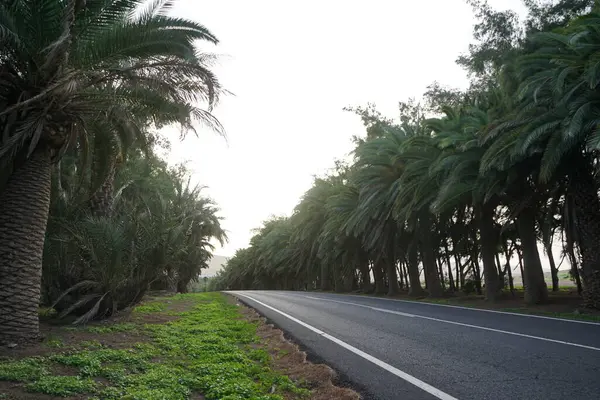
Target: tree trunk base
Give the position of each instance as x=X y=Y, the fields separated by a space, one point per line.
x=24 y=206
x=591 y=290
x=417 y=292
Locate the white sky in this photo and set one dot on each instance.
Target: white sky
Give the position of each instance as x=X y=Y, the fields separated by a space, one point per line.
x=293 y=66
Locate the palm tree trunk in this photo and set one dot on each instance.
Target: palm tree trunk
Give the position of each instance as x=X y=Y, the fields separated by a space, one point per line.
x=460 y=278
x=428 y=255
x=500 y=272
x=415 y=290
x=348 y=280
x=102 y=199
x=104 y=164
x=390 y=262
x=378 y=274
x=24 y=206
x=393 y=288
x=520 y=257
x=449 y=267
x=365 y=278
x=338 y=279
x=182 y=285
x=400 y=275
x=587 y=222
x=553 y=269
x=325 y=284
x=485 y=218
x=508 y=255
x=536 y=290
x=476 y=271
x=440 y=265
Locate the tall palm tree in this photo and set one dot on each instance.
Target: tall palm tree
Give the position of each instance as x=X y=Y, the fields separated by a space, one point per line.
x=556 y=124
x=457 y=168
x=61 y=65
x=380 y=173
x=348 y=246
x=309 y=217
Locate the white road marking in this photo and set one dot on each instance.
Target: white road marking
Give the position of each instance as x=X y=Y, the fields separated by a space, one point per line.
x=576 y=321
x=400 y=374
x=459 y=324
x=364 y=306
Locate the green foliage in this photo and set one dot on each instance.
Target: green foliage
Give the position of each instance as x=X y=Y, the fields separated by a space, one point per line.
x=24 y=370
x=126 y=327
x=443 y=190
x=204 y=351
x=151 y=307
x=54 y=342
x=159 y=236
x=62 y=385
x=89 y=84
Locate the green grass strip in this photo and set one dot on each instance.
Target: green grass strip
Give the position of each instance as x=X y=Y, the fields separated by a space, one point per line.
x=206 y=350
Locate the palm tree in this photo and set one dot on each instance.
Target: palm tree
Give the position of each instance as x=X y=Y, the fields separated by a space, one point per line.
x=347 y=247
x=380 y=173
x=457 y=168
x=309 y=217
x=61 y=66
x=556 y=124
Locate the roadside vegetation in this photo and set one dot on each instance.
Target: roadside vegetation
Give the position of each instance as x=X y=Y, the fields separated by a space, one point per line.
x=199 y=346
x=467 y=190
x=91 y=215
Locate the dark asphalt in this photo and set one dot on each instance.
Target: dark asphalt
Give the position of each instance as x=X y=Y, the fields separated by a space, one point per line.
x=465 y=362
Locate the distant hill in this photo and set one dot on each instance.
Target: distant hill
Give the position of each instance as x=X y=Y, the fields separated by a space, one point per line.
x=214 y=265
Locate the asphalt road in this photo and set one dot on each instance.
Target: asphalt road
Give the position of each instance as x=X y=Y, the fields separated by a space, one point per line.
x=393 y=349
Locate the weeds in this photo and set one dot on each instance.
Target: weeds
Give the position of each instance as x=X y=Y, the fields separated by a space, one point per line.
x=207 y=351
x=112 y=328
x=62 y=385
x=152 y=307
x=23 y=370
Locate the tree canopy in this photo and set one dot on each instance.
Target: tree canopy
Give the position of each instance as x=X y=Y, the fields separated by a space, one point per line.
x=447 y=196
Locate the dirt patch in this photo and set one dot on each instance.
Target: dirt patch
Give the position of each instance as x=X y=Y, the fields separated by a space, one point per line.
x=16 y=391
x=288 y=359
x=56 y=336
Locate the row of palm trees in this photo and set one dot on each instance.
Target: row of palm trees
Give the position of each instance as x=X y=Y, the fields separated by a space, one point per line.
x=448 y=197
x=82 y=83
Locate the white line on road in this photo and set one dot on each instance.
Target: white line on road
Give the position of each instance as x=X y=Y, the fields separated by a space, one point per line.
x=400 y=374
x=459 y=323
x=575 y=321
x=364 y=306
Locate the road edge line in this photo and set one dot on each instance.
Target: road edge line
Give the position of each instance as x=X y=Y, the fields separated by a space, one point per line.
x=445 y=321
x=577 y=321
x=382 y=364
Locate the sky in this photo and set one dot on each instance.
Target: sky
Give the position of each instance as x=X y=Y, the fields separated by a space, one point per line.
x=292 y=67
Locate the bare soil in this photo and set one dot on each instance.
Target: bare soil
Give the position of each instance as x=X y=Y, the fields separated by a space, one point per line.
x=290 y=360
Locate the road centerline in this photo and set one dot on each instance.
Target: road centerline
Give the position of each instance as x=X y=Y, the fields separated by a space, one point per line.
x=460 y=324
x=385 y=310
x=382 y=364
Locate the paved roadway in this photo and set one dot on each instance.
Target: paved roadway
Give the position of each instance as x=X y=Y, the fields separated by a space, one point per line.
x=404 y=350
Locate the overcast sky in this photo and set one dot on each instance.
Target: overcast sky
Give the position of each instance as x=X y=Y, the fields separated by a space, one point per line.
x=293 y=66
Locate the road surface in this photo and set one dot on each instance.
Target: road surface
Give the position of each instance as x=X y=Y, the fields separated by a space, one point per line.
x=393 y=349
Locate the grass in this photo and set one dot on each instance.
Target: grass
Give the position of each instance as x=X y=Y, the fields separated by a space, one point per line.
x=208 y=350
x=112 y=328
x=151 y=307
